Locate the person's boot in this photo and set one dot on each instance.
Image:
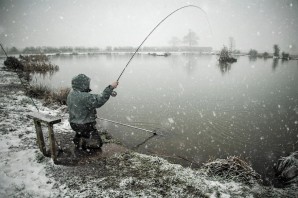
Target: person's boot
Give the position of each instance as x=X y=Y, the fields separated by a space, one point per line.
x=76 y=140
x=94 y=142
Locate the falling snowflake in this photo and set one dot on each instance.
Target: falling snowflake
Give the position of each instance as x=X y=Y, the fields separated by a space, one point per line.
x=214 y=114
x=201 y=115
x=171 y=120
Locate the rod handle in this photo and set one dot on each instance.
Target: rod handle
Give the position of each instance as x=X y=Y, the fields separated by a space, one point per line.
x=114 y=94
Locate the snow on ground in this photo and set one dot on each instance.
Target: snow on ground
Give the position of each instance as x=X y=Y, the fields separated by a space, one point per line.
x=20 y=175
x=25 y=172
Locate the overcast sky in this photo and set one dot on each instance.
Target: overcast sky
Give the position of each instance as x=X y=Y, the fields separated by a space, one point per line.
x=256 y=24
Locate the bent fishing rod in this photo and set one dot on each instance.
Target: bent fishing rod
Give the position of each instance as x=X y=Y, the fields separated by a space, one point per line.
x=155 y=29
x=114 y=93
x=194 y=6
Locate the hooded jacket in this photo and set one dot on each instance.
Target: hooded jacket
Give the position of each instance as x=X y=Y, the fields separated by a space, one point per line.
x=81 y=104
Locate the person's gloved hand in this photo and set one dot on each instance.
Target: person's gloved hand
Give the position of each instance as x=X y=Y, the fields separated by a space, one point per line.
x=115 y=84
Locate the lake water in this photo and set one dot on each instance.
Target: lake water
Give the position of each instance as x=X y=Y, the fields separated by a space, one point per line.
x=204 y=110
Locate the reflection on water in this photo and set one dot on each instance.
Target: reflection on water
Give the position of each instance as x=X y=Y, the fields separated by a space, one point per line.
x=252 y=112
x=274 y=63
x=252 y=58
x=224 y=67
x=191 y=63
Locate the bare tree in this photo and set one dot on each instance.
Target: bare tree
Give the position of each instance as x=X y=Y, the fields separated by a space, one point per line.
x=191 y=38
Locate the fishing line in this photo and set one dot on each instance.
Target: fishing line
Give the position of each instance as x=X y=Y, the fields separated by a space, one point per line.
x=154 y=132
x=194 y=6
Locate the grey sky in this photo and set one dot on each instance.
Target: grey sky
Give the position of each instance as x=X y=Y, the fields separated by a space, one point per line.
x=256 y=24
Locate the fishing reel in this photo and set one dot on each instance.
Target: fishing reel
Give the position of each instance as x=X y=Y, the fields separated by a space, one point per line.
x=114 y=94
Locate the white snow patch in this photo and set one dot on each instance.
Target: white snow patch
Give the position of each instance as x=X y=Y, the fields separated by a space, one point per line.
x=20 y=172
x=126 y=181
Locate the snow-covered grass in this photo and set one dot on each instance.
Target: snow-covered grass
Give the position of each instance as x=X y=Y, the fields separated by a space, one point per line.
x=20 y=175
x=25 y=172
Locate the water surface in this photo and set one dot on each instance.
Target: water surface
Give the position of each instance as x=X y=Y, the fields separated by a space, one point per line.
x=205 y=110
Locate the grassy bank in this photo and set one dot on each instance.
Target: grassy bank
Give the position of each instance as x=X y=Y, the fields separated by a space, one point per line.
x=25 y=66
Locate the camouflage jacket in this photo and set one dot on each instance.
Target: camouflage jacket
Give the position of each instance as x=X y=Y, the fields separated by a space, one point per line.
x=81 y=104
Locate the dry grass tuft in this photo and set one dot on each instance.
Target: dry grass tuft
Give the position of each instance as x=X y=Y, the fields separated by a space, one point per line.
x=58 y=96
x=232 y=168
x=38 y=63
x=38 y=91
x=49 y=96
x=35 y=58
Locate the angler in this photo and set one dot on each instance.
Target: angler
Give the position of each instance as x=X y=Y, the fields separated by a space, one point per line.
x=82 y=111
x=82 y=105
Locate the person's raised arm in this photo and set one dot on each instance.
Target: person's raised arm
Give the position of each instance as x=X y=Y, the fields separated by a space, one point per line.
x=97 y=100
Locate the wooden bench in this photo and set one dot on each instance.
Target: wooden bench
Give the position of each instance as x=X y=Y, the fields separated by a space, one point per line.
x=38 y=118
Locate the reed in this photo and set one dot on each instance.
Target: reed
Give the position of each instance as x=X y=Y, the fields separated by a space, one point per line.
x=48 y=95
x=35 y=58
x=40 y=67
x=38 y=91
x=57 y=96
x=38 y=63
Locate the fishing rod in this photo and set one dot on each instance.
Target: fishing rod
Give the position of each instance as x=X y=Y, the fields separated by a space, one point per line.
x=114 y=93
x=3 y=50
x=194 y=6
x=134 y=127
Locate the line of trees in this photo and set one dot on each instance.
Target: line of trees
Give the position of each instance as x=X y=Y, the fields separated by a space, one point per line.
x=190 y=39
x=276 y=54
x=45 y=50
x=75 y=50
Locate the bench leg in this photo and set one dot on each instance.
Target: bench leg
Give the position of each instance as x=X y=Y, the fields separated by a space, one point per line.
x=52 y=142
x=40 y=139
